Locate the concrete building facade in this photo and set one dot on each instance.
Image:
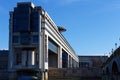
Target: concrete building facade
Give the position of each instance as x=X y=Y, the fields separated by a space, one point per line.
x=36 y=43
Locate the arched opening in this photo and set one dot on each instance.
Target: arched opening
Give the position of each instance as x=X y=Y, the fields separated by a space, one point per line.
x=114 y=67
x=107 y=70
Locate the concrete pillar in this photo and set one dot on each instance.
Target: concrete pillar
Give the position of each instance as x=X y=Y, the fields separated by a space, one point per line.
x=46 y=52
x=10 y=61
x=46 y=58
x=11 y=54
x=68 y=61
x=24 y=58
x=59 y=57
x=31 y=58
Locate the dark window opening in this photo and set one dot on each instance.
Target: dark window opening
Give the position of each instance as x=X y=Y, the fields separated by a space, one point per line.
x=35 y=39
x=35 y=22
x=25 y=38
x=64 y=59
x=52 y=46
x=84 y=64
x=15 y=39
x=18 y=58
x=21 y=19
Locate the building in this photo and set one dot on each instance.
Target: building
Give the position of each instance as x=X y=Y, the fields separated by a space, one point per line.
x=36 y=43
x=4 y=59
x=92 y=61
x=4 y=64
x=91 y=67
x=111 y=68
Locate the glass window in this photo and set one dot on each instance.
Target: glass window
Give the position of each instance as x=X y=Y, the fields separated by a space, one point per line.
x=21 y=19
x=25 y=38
x=35 y=39
x=35 y=22
x=84 y=64
x=18 y=58
x=52 y=46
x=64 y=59
x=15 y=39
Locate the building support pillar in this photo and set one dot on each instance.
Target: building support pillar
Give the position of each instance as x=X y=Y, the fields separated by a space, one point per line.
x=68 y=61
x=59 y=57
x=44 y=56
x=24 y=58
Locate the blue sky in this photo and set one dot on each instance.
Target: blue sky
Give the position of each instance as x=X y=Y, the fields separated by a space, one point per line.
x=93 y=26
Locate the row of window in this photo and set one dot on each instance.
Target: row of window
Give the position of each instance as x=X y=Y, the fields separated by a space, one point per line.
x=25 y=39
x=53 y=47
x=25 y=19
x=84 y=64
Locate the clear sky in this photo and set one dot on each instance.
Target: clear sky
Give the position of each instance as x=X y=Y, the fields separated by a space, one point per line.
x=93 y=26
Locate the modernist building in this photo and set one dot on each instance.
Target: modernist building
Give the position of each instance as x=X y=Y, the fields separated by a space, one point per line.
x=91 y=61
x=36 y=43
x=91 y=67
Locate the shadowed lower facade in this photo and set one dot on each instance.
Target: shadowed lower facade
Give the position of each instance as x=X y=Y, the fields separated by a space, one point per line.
x=36 y=44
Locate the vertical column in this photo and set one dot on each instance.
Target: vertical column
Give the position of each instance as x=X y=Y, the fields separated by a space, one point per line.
x=31 y=58
x=68 y=61
x=40 y=43
x=40 y=51
x=46 y=57
x=24 y=58
x=46 y=52
x=11 y=59
x=11 y=54
x=59 y=57
x=72 y=62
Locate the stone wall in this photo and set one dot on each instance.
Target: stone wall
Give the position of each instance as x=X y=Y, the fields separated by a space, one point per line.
x=75 y=74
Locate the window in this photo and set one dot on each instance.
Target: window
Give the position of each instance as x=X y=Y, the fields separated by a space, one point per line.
x=35 y=39
x=25 y=38
x=52 y=46
x=64 y=59
x=21 y=19
x=84 y=64
x=18 y=58
x=15 y=39
x=35 y=22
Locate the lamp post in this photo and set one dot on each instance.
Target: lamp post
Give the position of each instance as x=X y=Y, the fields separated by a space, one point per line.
x=115 y=45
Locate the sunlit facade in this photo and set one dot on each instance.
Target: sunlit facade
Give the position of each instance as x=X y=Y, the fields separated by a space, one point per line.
x=36 y=43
